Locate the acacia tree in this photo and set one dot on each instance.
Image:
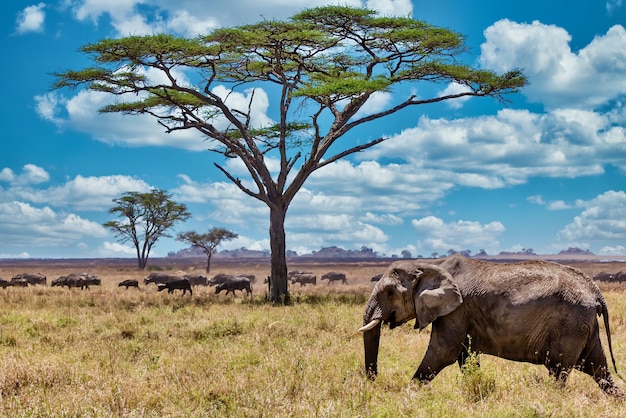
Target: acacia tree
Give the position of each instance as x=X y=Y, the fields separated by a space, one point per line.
x=148 y=216
x=325 y=63
x=207 y=242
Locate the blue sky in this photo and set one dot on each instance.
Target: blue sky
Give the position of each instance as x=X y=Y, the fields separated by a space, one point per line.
x=545 y=171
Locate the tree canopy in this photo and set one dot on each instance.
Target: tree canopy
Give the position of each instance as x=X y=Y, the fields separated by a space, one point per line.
x=324 y=64
x=148 y=217
x=208 y=242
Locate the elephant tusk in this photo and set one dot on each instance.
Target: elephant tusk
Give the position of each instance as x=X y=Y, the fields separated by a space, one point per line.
x=370 y=326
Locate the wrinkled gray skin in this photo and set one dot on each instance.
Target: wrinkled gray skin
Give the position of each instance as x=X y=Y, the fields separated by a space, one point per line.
x=533 y=311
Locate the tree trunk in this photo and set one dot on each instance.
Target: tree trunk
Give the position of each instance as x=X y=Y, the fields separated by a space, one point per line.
x=278 y=278
x=208 y=263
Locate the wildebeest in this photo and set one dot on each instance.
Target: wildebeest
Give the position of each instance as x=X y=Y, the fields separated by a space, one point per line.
x=196 y=280
x=31 y=278
x=334 y=276
x=129 y=283
x=302 y=277
x=235 y=283
x=159 y=277
x=182 y=284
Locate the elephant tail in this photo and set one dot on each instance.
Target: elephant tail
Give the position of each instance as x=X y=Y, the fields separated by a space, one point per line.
x=603 y=311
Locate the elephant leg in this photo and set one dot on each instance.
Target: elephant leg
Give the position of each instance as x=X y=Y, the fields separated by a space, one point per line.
x=444 y=348
x=593 y=362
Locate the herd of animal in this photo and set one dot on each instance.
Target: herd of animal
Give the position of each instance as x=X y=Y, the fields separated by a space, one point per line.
x=170 y=282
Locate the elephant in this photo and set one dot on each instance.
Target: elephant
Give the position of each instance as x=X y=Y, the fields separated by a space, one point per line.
x=532 y=311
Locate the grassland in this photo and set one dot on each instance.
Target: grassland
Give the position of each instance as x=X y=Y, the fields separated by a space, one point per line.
x=110 y=352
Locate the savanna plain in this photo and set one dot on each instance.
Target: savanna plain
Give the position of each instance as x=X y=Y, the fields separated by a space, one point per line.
x=112 y=352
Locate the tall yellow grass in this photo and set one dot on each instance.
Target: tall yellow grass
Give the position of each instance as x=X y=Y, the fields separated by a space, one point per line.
x=110 y=352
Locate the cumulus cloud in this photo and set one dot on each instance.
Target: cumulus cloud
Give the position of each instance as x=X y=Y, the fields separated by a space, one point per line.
x=507 y=148
x=114 y=249
x=559 y=77
x=460 y=235
x=603 y=218
x=31 y=174
x=20 y=222
x=31 y=19
x=81 y=192
x=192 y=17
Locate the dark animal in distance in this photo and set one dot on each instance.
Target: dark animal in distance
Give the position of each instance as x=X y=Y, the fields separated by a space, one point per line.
x=196 y=280
x=82 y=280
x=4 y=283
x=335 y=276
x=181 y=284
x=159 y=277
x=610 y=277
x=31 y=278
x=235 y=283
x=302 y=277
x=129 y=283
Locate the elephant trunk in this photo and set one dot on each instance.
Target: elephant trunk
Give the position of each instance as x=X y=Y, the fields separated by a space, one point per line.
x=372 y=323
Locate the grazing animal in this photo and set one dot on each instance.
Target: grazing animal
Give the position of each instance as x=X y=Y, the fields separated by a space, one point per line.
x=159 y=277
x=82 y=280
x=302 y=277
x=31 y=278
x=182 y=284
x=335 y=276
x=219 y=279
x=196 y=280
x=235 y=283
x=4 y=283
x=18 y=282
x=129 y=283
x=533 y=311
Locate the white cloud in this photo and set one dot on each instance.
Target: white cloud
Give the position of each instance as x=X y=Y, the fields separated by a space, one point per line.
x=603 y=218
x=559 y=77
x=31 y=19
x=452 y=89
x=28 y=226
x=31 y=174
x=82 y=193
x=190 y=18
x=507 y=148
x=114 y=249
x=437 y=235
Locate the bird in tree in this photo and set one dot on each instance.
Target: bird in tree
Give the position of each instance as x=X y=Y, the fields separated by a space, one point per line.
x=323 y=63
x=207 y=242
x=148 y=217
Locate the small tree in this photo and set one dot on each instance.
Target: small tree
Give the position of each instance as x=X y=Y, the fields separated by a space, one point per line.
x=406 y=254
x=148 y=217
x=208 y=242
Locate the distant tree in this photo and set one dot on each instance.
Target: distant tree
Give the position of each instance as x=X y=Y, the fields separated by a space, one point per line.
x=148 y=217
x=207 y=242
x=434 y=255
x=325 y=64
x=406 y=254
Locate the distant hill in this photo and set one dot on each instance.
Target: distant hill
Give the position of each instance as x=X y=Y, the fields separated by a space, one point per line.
x=575 y=251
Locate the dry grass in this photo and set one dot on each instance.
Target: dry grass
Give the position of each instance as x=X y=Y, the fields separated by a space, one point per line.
x=110 y=352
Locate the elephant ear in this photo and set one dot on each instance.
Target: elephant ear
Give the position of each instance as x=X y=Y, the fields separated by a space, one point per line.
x=435 y=294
